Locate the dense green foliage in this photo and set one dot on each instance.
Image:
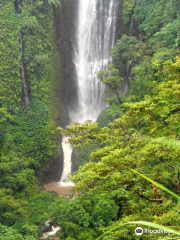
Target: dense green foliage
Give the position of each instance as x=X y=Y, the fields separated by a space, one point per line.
x=37 y=21
x=10 y=85
x=26 y=135
x=144 y=136
x=79 y=218
x=128 y=162
x=11 y=234
x=25 y=149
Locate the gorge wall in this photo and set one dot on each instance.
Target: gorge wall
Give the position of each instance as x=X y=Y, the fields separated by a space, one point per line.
x=80 y=102
x=64 y=74
x=65 y=28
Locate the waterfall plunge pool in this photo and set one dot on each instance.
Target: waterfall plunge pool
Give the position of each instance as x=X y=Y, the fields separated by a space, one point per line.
x=64 y=186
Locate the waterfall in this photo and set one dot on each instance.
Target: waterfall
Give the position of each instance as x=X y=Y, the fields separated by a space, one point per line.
x=95 y=37
x=67 y=151
x=17 y=6
x=131 y=32
x=96 y=33
x=25 y=87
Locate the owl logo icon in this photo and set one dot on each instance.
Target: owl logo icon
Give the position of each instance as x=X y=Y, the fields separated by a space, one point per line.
x=139 y=231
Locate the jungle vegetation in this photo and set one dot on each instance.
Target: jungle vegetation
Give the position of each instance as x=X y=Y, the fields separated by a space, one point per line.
x=139 y=131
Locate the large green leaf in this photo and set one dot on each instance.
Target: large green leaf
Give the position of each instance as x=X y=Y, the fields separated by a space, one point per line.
x=158 y=185
x=143 y=223
x=154 y=226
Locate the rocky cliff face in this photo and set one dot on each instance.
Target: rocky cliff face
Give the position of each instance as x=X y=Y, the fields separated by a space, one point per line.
x=65 y=27
x=64 y=91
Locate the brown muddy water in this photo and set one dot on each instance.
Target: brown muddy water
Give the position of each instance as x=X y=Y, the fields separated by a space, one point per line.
x=58 y=188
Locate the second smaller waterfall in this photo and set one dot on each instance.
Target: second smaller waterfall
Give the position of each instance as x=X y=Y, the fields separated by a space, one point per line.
x=67 y=151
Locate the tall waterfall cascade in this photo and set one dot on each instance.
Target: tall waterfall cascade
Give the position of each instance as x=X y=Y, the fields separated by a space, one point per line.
x=95 y=37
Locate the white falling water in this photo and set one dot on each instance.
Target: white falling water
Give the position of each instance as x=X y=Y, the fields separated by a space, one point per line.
x=51 y=233
x=67 y=151
x=95 y=37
